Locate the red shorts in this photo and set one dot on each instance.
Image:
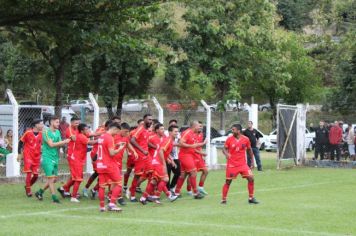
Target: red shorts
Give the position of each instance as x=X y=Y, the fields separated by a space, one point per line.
x=200 y=163
x=76 y=171
x=139 y=166
x=233 y=172
x=113 y=177
x=187 y=163
x=31 y=165
x=148 y=165
x=130 y=164
x=159 y=172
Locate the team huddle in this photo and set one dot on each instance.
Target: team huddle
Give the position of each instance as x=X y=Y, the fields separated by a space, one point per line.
x=149 y=150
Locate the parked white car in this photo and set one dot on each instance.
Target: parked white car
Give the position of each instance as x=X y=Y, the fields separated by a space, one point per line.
x=134 y=105
x=271 y=145
x=230 y=105
x=220 y=141
x=77 y=105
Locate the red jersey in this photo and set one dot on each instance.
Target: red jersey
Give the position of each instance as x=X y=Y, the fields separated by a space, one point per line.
x=141 y=134
x=32 y=144
x=167 y=147
x=80 y=151
x=105 y=162
x=335 y=135
x=99 y=130
x=118 y=139
x=199 y=139
x=71 y=145
x=237 y=150
x=156 y=140
x=189 y=137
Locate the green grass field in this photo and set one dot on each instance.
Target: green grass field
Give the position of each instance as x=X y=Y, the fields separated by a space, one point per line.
x=296 y=201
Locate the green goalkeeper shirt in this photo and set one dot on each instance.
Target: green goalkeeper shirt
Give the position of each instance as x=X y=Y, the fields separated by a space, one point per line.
x=47 y=151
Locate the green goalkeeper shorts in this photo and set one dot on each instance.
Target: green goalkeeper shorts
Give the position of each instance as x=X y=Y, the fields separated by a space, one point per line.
x=50 y=168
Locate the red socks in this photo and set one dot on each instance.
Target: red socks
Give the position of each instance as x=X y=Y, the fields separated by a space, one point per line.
x=193 y=183
x=250 y=187
x=225 y=190
x=179 y=185
x=133 y=187
x=34 y=179
x=69 y=184
x=149 y=190
x=116 y=192
x=102 y=197
x=162 y=187
x=96 y=188
x=75 y=188
x=28 y=180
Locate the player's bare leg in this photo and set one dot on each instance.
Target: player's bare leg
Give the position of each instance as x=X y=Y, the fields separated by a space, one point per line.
x=126 y=178
x=133 y=188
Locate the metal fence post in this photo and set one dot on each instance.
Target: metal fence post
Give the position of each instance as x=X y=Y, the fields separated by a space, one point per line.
x=12 y=165
x=210 y=162
x=89 y=166
x=159 y=108
x=253 y=115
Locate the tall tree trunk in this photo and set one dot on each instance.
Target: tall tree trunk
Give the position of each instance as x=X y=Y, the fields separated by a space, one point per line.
x=121 y=95
x=58 y=82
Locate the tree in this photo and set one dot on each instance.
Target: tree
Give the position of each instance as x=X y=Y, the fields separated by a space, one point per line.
x=60 y=30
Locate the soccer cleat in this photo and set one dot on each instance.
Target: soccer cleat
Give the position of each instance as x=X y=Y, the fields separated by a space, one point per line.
x=133 y=200
x=114 y=208
x=198 y=196
x=85 y=192
x=56 y=201
x=178 y=195
x=190 y=193
x=150 y=199
x=143 y=201
x=172 y=198
x=39 y=196
x=223 y=202
x=121 y=201
x=78 y=195
x=102 y=209
x=138 y=190
x=202 y=191
x=124 y=189
x=252 y=201
x=75 y=200
x=62 y=192
x=92 y=194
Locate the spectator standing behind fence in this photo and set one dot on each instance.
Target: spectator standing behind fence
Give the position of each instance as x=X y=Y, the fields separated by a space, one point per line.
x=335 y=139
x=350 y=140
x=254 y=137
x=8 y=140
x=321 y=140
x=63 y=126
x=2 y=140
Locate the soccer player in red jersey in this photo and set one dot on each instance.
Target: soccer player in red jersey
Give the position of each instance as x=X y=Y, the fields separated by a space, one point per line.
x=31 y=142
x=123 y=139
x=188 y=145
x=130 y=164
x=70 y=133
x=200 y=162
x=93 y=154
x=108 y=170
x=235 y=151
x=139 y=141
x=160 y=157
x=78 y=158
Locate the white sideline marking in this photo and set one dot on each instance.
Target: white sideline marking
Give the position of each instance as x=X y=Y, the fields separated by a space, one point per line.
x=44 y=212
x=282 y=188
x=203 y=224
